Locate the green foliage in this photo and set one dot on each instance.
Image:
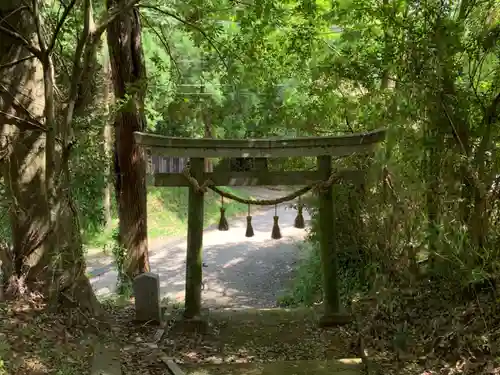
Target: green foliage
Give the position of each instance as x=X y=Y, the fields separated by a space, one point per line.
x=383 y=243
x=429 y=73
x=89 y=179
x=168 y=209
x=124 y=284
x=356 y=263
x=425 y=74
x=307 y=287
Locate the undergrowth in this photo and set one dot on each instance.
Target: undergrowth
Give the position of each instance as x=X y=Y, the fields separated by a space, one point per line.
x=430 y=304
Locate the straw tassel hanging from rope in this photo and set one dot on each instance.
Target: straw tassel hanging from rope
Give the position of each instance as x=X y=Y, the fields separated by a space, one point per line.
x=276 y=233
x=249 y=232
x=223 y=224
x=299 y=220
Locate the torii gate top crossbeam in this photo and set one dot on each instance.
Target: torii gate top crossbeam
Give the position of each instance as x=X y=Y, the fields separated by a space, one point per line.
x=263 y=148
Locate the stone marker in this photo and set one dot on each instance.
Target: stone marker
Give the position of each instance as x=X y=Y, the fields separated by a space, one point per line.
x=147 y=298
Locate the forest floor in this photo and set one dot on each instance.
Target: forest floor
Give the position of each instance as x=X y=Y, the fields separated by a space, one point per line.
x=403 y=331
x=400 y=332
x=34 y=341
x=243 y=341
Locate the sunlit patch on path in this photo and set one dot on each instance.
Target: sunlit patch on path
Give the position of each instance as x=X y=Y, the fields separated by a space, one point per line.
x=239 y=272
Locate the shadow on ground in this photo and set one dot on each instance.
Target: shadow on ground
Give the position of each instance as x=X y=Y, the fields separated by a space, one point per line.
x=331 y=367
x=247 y=341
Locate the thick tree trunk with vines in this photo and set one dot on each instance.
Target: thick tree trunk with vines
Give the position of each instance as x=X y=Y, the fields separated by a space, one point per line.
x=70 y=286
x=129 y=79
x=47 y=253
x=22 y=143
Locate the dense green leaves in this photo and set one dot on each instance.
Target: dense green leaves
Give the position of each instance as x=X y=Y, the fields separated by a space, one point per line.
x=428 y=72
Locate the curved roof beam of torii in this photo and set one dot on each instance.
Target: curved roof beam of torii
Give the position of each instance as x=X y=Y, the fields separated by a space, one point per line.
x=265 y=148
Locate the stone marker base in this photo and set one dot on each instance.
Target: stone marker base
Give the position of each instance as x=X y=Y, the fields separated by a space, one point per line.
x=335 y=320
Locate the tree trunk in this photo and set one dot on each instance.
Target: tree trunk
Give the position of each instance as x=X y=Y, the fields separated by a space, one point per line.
x=129 y=79
x=107 y=136
x=47 y=253
x=71 y=286
x=22 y=138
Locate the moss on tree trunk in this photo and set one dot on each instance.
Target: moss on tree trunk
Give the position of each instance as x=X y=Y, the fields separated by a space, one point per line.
x=194 y=267
x=129 y=80
x=327 y=241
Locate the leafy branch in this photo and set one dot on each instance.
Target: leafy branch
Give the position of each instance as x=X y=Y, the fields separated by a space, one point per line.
x=60 y=24
x=192 y=25
x=163 y=41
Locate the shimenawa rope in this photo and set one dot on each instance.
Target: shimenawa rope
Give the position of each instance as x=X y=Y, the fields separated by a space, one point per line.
x=316 y=187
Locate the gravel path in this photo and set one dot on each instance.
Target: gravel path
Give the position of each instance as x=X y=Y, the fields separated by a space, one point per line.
x=239 y=272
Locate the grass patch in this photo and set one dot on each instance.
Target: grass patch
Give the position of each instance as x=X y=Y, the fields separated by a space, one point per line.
x=167 y=214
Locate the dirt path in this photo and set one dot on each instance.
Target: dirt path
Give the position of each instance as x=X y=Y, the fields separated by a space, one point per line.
x=239 y=272
x=245 y=342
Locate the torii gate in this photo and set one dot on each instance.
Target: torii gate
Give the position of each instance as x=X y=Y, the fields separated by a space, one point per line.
x=323 y=148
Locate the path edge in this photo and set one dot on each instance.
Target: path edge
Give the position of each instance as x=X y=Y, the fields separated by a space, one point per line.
x=106 y=358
